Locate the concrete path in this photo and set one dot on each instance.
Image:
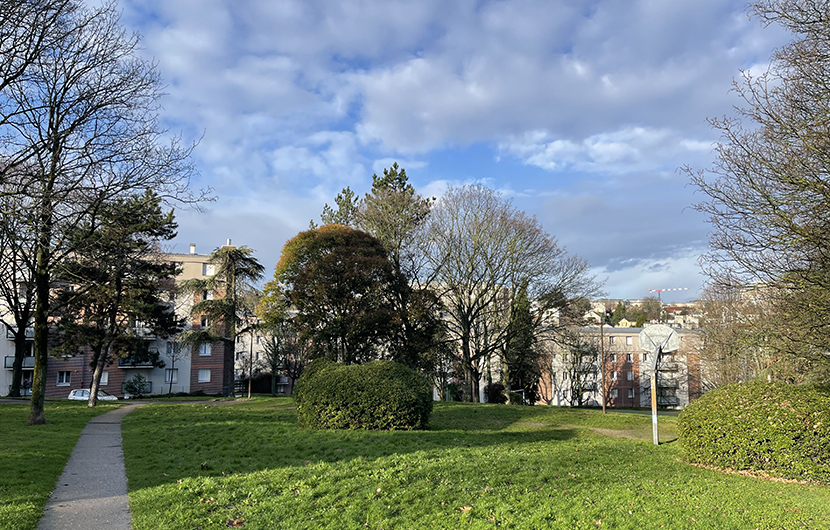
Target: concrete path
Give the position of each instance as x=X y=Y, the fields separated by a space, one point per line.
x=92 y=491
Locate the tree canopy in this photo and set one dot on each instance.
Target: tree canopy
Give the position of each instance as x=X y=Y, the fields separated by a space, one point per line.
x=338 y=280
x=768 y=193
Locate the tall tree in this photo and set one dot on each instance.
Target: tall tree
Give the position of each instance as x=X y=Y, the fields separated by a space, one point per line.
x=338 y=280
x=80 y=129
x=482 y=249
x=118 y=297
x=520 y=359
x=347 y=206
x=768 y=189
x=395 y=214
x=227 y=303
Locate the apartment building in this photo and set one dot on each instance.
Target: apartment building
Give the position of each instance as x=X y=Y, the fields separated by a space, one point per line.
x=201 y=369
x=575 y=377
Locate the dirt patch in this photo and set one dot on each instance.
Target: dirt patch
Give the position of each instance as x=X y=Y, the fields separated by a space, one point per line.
x=613 y=433
x=754 y=474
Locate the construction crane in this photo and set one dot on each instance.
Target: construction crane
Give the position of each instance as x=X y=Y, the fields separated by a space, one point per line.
x=658 y=291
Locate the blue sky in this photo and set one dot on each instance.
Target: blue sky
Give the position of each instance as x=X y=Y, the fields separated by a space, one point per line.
x=581 y=112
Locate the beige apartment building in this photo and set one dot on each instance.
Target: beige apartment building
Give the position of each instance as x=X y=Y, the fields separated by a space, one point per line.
x=577 y=379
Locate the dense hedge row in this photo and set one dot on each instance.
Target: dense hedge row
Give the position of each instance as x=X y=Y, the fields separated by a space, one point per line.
x=777 y=428
x=380 y=395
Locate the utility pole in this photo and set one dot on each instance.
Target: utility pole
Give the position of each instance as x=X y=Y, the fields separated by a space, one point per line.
x=602 y=364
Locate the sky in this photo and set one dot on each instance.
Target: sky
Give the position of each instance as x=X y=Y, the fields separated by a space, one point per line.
x=581 y=112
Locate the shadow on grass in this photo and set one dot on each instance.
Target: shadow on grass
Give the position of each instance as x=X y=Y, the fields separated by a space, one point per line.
x=165 y=443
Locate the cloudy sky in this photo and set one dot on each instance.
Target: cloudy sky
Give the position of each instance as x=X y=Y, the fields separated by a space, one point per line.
x=581 y=112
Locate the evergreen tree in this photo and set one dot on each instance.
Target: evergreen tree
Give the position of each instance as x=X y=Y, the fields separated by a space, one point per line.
x=225 y=300
x=117 y=299
x=522 y=369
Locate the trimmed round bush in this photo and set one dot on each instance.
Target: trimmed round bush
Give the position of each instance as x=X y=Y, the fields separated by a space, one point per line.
x=381 y=395
x=781 y=429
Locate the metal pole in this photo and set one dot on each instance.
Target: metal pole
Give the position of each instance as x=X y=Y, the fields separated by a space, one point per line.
x=654 y=408
x=602 y=365
x=655 y=436
x=251 y=365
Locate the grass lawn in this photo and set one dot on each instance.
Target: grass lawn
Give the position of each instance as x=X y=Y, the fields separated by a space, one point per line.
x=32 y=458
x=202 y=466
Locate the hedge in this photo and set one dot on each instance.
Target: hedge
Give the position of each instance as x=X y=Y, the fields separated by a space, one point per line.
x=381 y=395
x=780 y=429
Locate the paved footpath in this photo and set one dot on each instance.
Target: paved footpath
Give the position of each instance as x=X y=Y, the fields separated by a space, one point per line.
x=92 y=491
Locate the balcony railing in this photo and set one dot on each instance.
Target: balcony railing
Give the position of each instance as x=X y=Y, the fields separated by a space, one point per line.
x=30 y=333
x=25 y=391
x=667 y=383
x=28 y=362
x=129 y=362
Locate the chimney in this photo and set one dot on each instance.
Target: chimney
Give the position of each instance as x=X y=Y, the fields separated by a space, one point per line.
x=229 y=242
x=193 y=248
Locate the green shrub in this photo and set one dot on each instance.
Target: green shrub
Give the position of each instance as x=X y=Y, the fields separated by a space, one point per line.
x=777 y=428
x=380 y=395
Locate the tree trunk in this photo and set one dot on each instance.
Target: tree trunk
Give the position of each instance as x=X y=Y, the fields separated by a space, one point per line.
x=99 y=360
x=17 y=367
x=41 y=329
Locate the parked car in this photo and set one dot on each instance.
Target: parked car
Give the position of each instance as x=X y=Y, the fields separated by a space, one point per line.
x=82 y=394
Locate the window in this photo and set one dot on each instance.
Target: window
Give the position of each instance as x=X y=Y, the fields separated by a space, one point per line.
x=611 y=340
x=629 y=376
x=630 y=393
x=64 y=378
x=612 y=357
x=208 y=269
x=171 y=374
x=645 y=357
x=613 y=376
x=239 y=339
x=613 y=393
x=204 y=375
x=204 y=348
x=204 y=321
x=105 y=378
x=628 y=357
x=207 y=295
x=173 y=348
x=629 y=341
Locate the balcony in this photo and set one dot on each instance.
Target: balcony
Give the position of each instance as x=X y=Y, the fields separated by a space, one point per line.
x=25 y=390
x=30 y=333
x=131 y=362
x=667 y=383
x=28 y=362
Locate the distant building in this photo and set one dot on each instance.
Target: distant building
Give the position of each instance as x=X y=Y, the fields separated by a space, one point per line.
x=626 y=369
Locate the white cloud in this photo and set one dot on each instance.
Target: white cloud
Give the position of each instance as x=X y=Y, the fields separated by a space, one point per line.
x=622 y=151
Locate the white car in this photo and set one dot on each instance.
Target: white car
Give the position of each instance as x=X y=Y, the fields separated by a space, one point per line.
x=82 y=394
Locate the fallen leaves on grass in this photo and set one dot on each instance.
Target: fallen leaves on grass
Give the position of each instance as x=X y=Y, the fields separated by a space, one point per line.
x=236 y=522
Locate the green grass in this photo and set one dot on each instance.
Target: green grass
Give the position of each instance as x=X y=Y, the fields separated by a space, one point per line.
x=32 y=458
x=203 y=466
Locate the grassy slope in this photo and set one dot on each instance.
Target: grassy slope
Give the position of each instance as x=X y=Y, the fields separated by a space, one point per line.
x=32 y=458
x=480 y=466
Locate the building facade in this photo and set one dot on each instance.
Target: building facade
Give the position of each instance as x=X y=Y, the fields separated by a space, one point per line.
x=576 y=374
x=199 y=369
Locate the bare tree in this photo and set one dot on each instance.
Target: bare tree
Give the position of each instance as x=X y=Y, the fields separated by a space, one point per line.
x=16 y=288
x=768 y=190
x=80 y=128
x=483 y=249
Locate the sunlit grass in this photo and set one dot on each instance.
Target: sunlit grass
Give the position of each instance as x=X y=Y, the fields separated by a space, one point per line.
x=32 y=458
x=479 y=466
